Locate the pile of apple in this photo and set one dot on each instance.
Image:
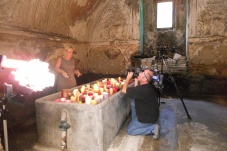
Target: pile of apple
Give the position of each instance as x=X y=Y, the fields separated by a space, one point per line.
x=92 y=93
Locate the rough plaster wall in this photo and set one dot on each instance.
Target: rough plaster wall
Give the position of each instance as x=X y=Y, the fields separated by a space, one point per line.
x=115 y=36
x=207 y=45
x=208 y=37
x=45 y=16
x=118 y=20
x=111 y=59
x=171 y=38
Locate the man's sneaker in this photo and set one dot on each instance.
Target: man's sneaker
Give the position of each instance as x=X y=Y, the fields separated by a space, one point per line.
x=156 y=132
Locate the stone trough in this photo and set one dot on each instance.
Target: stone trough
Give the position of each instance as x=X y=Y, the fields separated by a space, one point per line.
x=92 y=127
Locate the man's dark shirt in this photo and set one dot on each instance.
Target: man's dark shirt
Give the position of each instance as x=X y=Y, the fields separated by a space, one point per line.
x=146 y=104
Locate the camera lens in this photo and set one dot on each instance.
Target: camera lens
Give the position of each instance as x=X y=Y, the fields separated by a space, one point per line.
x=135 y=75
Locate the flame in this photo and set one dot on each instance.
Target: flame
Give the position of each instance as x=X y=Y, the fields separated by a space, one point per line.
x=33 y=74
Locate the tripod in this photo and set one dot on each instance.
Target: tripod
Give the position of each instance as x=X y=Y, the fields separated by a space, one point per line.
x=4 y=112
x=161 y=56
x=4 y=118
x=179 y=94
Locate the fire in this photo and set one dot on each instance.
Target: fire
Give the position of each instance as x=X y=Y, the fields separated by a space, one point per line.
x=33 y=74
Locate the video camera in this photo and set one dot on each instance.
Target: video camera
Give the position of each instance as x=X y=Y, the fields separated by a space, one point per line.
x=135 y=70
x=157 y=79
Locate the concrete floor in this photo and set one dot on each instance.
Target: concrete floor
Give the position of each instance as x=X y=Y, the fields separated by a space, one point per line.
x=207 y=131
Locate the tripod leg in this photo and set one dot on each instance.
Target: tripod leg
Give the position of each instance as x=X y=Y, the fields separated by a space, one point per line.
x=1 y=147
x=159 y=95
x=5 y=129
x=178 y=92
x=5 y=135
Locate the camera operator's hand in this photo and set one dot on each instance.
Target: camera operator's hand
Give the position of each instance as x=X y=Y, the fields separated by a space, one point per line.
x=130 y=75
x=128 y=78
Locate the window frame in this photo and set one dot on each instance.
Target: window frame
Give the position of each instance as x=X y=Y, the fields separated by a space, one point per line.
x=156 y=16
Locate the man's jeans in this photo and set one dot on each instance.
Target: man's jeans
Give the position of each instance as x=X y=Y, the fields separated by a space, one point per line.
x=137 y=128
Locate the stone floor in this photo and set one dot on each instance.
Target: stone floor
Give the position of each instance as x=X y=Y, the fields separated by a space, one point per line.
x=207 y=131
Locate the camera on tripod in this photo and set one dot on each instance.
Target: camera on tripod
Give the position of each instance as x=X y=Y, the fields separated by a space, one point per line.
x=157 y=79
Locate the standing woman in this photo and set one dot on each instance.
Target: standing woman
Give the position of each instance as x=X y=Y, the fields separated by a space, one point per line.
x=65 y=66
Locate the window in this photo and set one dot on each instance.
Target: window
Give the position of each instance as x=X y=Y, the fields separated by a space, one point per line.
x=165 y=15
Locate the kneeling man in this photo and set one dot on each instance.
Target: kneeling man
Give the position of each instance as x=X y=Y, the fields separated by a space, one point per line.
x=144 y=105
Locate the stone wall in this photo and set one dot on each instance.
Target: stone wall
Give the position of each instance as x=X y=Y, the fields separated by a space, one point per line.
x=175 y=37
x=208 y=37
x=207 y=44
